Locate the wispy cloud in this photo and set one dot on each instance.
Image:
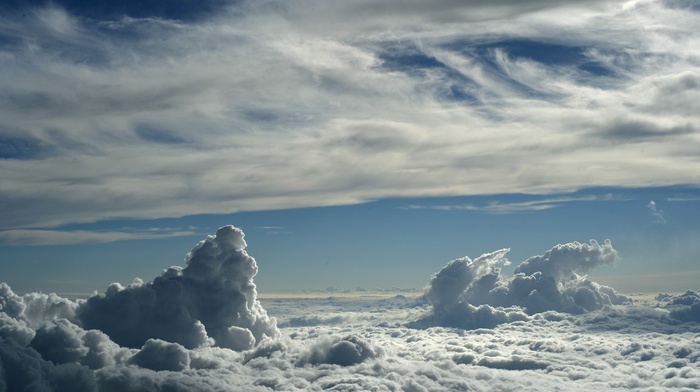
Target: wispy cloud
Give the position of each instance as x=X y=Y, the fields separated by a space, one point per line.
x=683 y=199
x=253 y=106
x=38 y=237
x=656 y=213
x=508 y=207
x=275 y=230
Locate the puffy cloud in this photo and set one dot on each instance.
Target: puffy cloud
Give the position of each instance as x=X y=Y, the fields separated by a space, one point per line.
x=549 y=351
x=61 y=341
x=160 y=355
x=346 y=351
x=467 y=316
x=20 y=316
x=39 y=308
x=23 y=369
x=363 y=343
x=514 y=363
x=17 y=330
x=463 y=293
x=10 y=303
x=462 y=275
x=51 y=343
x=563 y=260
x=685 y=307
x=212 y=297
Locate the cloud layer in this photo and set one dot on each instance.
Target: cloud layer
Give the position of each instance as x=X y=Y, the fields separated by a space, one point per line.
x=203 y=328
x=176 y=108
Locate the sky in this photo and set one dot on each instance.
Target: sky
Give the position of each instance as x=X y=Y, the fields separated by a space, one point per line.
x=359 y=144
x=353 y=195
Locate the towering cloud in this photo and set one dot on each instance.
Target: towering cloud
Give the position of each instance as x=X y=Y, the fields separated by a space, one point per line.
x=210 y=301
x=547 y=282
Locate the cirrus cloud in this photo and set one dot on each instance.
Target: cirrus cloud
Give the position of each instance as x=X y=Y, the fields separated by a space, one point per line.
x=144 y=112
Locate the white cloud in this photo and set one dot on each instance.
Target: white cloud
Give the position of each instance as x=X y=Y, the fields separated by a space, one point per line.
x=685 y=307
x=510 y=208
x=346 y=351
x=658 y=214
x=212 y=301
x=45 y=342
x=473 y=293
x=150 y=117
x=38 y=237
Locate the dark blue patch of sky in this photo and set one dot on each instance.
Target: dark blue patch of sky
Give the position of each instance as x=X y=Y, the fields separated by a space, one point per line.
x=183 y=10
x=22 y=147
x=411 y=61
x=547 y=53
x=156 y=134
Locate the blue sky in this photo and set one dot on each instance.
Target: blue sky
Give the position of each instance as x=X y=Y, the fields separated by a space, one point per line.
x=357 y=143
x=392 y=243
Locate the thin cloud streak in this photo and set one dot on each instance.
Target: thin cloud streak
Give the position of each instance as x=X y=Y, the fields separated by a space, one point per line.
x=509 y=208
x=36 y=237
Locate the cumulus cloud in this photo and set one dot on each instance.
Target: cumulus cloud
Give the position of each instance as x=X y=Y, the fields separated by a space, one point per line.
x=24 y=369
x=34 y=309
x=564 y=260
x=59 y=342
x=160 y=355
x=474 y=293
x=213 y=300
x=683 y=307
x=346 y=351
x=356 y=343
x=52 y=343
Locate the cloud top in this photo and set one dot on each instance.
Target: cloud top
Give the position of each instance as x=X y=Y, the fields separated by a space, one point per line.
x=565 y=260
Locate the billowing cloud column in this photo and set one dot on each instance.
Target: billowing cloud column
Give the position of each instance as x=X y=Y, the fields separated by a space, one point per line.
x=551 y=281
x=465 y=291
x=212 y=300
x=449 y=289
x=564 y=260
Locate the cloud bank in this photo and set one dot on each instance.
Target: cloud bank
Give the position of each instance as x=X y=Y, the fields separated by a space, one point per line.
x=167 y=109
x=203 y=328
